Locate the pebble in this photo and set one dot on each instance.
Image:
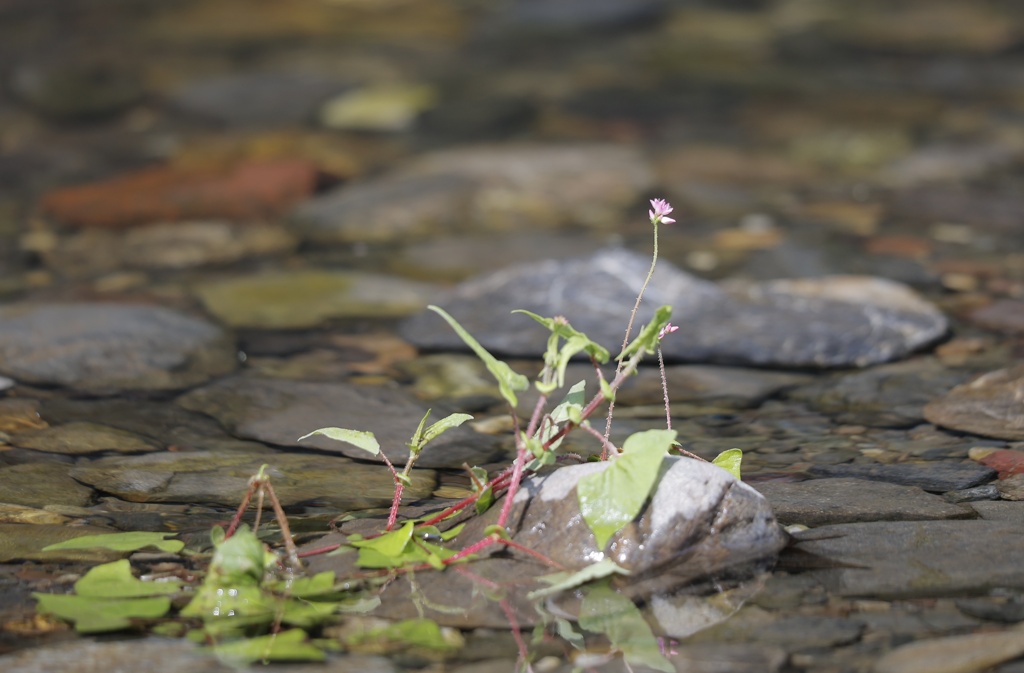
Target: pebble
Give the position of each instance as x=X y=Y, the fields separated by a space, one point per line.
x=821 y=323
x=933 y=476
x=828 y=501
x=278 y=412
x=986 y=492
x=1011 y=488
x=989 y=405
x=108 y=348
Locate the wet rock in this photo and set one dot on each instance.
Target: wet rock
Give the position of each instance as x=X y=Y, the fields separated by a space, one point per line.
x=1011 y=488
x=733 y=657
x=827 y=501
x=892 y=395
x=24 y=542
x=971 y=653
x=1008 y=609
x=792 y=633
x=452 y=377
x=301 y=299
x=41 y=485
x=670 y=544
x=540 y=186
x=278 y=412
x=829 y=322
x=104 y=348
x=222 y=478
x=77 y=91
x=21 y=514
x=387 y=209
x=84 y=437
x=986 y=492
x=246 y=191
x=934 y=476
x=730 y=387
x=989 y=405
x=19 y=415
x=262 y=99
x=907 y=559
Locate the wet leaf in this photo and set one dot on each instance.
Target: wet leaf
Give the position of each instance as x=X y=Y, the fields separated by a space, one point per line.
x=115 y=580
x=612 y=498
x=563 y=581
x=130 y=541
x=292 y=645
x=357 y=438
x=509 y=382
x=97 y=615
x=603 y=610
x=730 y=461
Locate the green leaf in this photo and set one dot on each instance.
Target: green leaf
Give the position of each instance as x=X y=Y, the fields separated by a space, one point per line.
x=562 y=328
x=647 y=340
x=97 y=615
x=291 y=645
x=390 y=544
x=612 y=498
x=569 y=409
x=603 y=610
x=130 y=541
x=358 y=438
x=509 y=382
x=308 y=587
x=239 y=560
x=115 y=580
x=729 y=461
x=447 y=423
x=563 y=581
x=416 y=443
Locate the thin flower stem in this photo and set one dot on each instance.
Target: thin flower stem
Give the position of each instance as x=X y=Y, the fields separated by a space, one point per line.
x=664 y=389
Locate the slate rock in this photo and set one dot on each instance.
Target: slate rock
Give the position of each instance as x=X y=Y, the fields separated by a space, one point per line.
x=78 y=91
x=77 y=438
x=258 y=99
x=278 y=411
x=828 y=501
x=934 y=476
x=912 y=559
x=824 y=322
x=999 y=510
x=1011 y=488
x=730 y=387
x=222 y=478
x=985 y=492
x=25 y=542
x=106 y=348
x=42 y=485
x=990 y=405
x=970 y=653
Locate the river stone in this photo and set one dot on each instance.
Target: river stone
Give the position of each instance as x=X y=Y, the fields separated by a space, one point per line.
x=42 y=484
x=912 y=559
x=935 y=476
x=826 y=501
x=538 y=186
x=303 y=299
x=837 y=321
x=222 y=478
x=106 y=348
x=970 y=653
x=279 y=411
x=83 y=437
x=990 y=405
x=25 y=542
x=731 y=387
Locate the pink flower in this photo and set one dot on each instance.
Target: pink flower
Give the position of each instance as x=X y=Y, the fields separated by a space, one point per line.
x=660 y=208
x=667 y=329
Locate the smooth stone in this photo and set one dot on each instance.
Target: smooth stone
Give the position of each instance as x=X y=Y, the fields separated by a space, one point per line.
x=263 y=99
x=21 y=514
x=19 y=415
x=42 y=484
x=75 y=90
x=999 y=510
x=1009 y=610
x=830 y=322
x=913 y=559
x=971 y=653
x=986 y=492
x=84 y=437
x=752 y=657
x=934 y=477
x=573 y=16
x=391 y=208
x=1007 y=461
x=25 y=542
x=794 y=633
x=821 y=502
x=891 y=395
x=989 y=405
x=278 y=412
x=222 y=478
x=1004 y=315
x=302 y=299
x=378 y=107
x=949 y=163
x=730 y=387
x=1011 y=488
x=544 y=186
x=107 y=348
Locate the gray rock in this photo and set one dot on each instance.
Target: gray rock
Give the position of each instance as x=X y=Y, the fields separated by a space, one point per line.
x=996 y=510
x=1011 y=488
x=826 y=322
x=388 y=209
x=827 y=501
x=971 y=653
x=83 y=437
x=279 y=411
x=258 y=98
x=989 y=405
x=25 y=542
x=730 y=387
x=106 y=348
x=935 y=477
x=78 y=90
x=986 y=492
x=42 y=485
x=911 y=559
x=222 y=478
